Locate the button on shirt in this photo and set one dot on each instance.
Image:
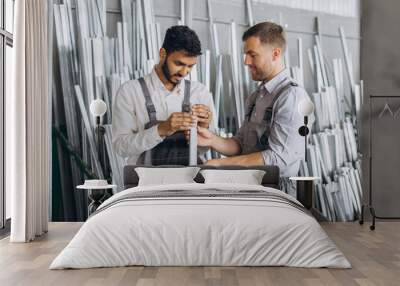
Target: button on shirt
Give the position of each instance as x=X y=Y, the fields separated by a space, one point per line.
x=130 y=138
x=286 y=145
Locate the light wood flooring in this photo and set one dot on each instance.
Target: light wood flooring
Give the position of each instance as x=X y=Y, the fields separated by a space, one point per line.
x=374 y=255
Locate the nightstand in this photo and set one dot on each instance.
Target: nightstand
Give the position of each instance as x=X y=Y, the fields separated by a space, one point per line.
x=96 y=192
x=305 y=190
x=305 y=195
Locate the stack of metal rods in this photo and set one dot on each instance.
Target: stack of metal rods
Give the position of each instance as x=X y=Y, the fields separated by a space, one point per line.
x=68 y=78
x=93 y=65
x=333 y=149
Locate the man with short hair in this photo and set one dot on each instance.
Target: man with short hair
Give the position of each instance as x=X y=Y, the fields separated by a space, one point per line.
x=150 y=114
x=269 y=134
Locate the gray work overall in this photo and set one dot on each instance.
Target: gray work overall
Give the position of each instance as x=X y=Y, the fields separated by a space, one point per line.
x=258 y=131
x=174 y=149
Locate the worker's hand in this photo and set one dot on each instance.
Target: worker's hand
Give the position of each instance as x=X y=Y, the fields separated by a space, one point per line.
x=204 y=137
x=213 y=162
x=203 y=114
x=178 y=121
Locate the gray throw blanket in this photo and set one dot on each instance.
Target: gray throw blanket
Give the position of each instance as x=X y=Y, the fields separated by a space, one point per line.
x=205 y=194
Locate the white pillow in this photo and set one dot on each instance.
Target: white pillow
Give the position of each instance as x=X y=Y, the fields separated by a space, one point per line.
x=248 y=177
x=164 y=176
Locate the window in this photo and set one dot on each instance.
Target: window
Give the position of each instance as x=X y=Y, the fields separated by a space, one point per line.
x=6 y=65
x=9 y=16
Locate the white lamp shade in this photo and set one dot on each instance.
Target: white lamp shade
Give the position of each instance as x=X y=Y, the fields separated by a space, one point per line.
x=98 y=107
x=305 y=107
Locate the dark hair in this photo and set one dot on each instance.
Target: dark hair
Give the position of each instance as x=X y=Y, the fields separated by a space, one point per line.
x=268 y=33
x=182 y=38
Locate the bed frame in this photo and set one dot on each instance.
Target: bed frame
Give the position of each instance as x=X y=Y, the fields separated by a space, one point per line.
x=270 y=179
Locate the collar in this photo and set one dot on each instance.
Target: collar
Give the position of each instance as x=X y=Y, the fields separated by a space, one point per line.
x=271 y=85
x=159 y=84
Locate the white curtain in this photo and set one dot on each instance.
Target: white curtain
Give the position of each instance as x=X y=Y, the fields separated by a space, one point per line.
x=29 y=117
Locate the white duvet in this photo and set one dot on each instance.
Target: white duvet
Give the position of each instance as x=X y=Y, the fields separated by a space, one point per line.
x=183 y=231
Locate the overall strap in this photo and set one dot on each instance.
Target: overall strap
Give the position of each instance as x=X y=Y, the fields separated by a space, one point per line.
x=151 y=110
x=276 y=95
x=186 y=98
x=269 y=111
x=250 y=106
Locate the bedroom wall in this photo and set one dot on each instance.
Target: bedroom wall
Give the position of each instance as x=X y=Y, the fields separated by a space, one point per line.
x=380 y=66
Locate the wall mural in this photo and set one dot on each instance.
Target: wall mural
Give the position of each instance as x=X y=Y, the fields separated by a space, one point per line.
x=91 y=66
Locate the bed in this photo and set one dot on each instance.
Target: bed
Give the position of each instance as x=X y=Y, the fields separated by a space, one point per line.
x=198 y=224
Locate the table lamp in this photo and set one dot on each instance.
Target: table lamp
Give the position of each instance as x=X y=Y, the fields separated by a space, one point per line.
x=305 y=185
x=305 y=108
x=98 y=108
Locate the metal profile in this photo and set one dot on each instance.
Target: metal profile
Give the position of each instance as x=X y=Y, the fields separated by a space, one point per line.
x=347 y=58
x=249 y=9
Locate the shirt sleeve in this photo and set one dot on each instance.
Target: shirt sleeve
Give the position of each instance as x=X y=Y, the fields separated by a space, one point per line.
x=286 y=145
x=130 y=139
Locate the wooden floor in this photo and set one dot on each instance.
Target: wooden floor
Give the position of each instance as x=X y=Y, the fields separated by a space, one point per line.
x=374 y=255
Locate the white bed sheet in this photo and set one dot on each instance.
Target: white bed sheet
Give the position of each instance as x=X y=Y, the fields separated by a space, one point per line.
x=200 y=231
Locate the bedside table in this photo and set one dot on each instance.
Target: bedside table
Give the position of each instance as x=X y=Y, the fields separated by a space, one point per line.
x=305 y=194
x=96 y=192
x=305 y=190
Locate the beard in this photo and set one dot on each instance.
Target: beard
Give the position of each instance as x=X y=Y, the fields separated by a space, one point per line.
x=167 y=73
x=261 y=73
x=257 y=75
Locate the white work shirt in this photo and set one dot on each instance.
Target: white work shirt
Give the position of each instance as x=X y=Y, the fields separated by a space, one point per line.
x=129 y=116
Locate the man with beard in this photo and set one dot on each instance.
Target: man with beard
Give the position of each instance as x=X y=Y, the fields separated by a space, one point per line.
x=151 y=114
x=269 y=135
